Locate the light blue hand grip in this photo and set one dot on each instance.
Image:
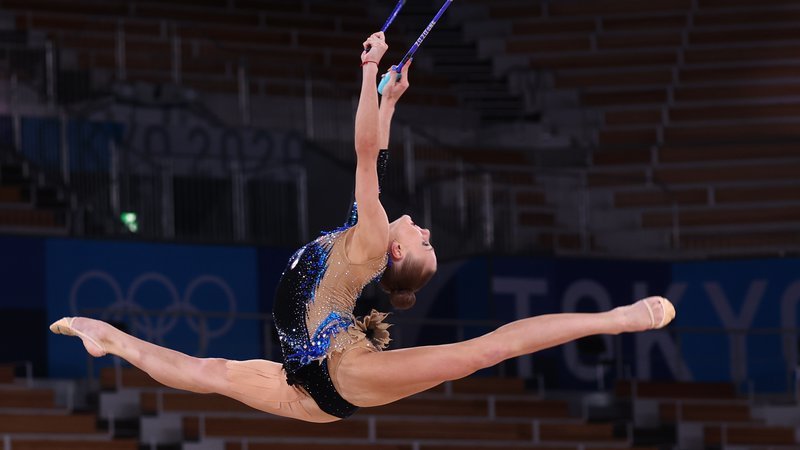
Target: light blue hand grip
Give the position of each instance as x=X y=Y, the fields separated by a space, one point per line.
x=385 y=79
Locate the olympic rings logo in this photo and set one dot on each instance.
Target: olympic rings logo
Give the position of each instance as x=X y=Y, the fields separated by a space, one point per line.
x=155 y=327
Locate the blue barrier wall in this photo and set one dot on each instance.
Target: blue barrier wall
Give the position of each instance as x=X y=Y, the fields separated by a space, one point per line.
x=22 y=301
x=120 y=277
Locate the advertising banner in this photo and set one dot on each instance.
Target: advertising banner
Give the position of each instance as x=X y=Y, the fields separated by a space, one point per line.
x=200 y=300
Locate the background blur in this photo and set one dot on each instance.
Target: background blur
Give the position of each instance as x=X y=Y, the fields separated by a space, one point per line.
x=161 y=160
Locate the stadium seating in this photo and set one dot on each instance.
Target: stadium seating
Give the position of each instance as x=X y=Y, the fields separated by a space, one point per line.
x=31 y=419
x=695 y=100
x=496 y=412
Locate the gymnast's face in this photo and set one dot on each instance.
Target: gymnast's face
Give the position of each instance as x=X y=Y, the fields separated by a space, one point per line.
x=411 y=239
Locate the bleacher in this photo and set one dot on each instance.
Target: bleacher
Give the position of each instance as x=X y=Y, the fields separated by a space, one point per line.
x=170 y=46
x=492 y=413
x=211 y=38
x=31 y=419
x=28 y=204
x=473 y=413
x=695 y=149
x=690 y=107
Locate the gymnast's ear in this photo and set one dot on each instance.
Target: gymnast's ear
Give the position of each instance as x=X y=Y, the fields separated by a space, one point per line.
x=396 y=251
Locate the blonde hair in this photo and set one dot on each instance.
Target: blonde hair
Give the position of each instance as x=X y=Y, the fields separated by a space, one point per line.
x=402 y=281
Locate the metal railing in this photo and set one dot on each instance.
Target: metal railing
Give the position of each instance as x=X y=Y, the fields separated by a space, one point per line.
x=324 y=115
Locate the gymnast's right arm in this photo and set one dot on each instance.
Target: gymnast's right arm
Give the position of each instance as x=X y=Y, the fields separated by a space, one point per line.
x=370 y=238
x=391 y=94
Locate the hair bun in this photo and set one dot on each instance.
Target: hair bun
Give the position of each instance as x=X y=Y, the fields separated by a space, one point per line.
x=402 y=299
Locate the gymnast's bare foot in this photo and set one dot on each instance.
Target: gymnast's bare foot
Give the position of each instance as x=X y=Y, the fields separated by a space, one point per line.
x=647 y=314
x=83 y=328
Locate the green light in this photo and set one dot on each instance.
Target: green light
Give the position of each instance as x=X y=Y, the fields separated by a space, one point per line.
x=129 y=219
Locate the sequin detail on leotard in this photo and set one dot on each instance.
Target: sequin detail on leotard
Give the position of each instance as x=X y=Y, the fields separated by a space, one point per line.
x=314 y=305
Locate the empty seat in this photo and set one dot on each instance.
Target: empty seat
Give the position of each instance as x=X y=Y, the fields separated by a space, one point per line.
x=187 y=402
x=432 y=407
x=648 y=40
x=785 y=215
x=740 y=240
x=25 y=217
x=536 y=408
x=739 y=73
x=625 y=97
x=548 y=45
x=660 y=197
x=129 y=377
x=757 y=194
x=749 y=35
x=466 y=430
x=6 y=373
x=735 y=112
x=271 y=427
x=704 y=412
x=606 y=60
x=729 y=173
x=565 y=432
x=650 y=116
x=609 y=7
x=47 y=423
x=740 y=92
x=749 y=435
x=488 y=385
x=767 y=131
x=74 y=444
x=730 y=152
x=640 y=137
x=676 y=390
x=718 y=18
x=661 y=21
x=646 y=77
x=514 y=11
x=551 y=26
x=321 y=446
x=777 y=52
x=26 y=398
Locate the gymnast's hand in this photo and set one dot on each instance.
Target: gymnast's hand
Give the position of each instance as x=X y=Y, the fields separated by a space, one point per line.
x=374 y=48
x=394 y=89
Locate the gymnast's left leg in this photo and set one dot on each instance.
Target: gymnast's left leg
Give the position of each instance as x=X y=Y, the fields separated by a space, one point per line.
x=372 y=379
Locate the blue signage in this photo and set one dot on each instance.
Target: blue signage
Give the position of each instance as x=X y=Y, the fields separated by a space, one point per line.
x=197 y=300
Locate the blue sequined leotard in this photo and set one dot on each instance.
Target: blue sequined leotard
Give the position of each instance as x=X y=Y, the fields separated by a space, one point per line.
x=313 y=310
x=313 y=314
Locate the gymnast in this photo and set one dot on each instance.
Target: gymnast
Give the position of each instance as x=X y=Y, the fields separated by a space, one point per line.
x=334 y=363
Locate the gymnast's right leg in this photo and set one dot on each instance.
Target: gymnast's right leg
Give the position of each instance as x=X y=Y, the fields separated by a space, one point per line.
x=168 y=367
x=260 y=384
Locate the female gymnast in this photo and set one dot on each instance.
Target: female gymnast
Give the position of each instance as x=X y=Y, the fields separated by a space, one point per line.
x=331 y=367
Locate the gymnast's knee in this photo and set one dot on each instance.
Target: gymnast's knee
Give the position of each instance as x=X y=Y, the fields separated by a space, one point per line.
x=477 y=359
x=208 y=375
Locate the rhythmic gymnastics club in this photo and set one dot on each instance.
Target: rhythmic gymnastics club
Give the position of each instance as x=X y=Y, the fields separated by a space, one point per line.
x=391 y=18
x=414 y=47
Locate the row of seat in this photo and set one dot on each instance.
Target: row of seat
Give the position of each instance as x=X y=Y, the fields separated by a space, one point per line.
x=30 y=419
x=497 y=413
x=724 y=417
x=652 y=96
x=43 y=213
x=698 y=107
x=214 y=39
x=490 y=411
